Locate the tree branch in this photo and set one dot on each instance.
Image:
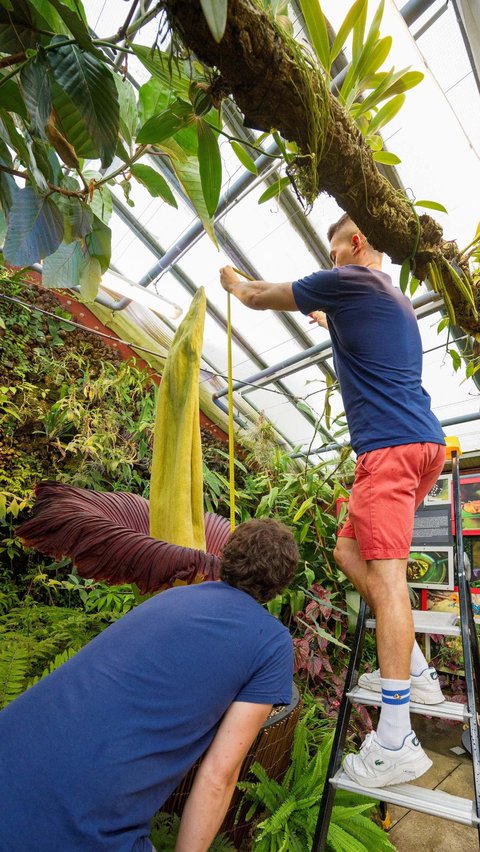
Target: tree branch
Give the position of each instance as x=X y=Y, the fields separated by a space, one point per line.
x=12 y=60
x=70 y=193
x=261 y=69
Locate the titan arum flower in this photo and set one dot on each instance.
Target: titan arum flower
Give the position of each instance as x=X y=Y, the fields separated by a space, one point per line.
x=120 y=537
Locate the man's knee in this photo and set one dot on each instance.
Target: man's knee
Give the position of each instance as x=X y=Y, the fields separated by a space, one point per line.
x=339 y=554
x=344 y=556
x=386 y=579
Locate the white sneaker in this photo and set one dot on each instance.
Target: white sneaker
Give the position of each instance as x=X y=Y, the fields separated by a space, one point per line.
x=376 y=766
x=424 y=688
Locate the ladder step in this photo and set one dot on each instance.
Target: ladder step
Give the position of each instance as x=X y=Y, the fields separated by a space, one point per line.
x=433 y=802
x=443 y=623
x=446 y=710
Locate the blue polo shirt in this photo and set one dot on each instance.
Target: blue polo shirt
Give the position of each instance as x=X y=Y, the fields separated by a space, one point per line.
x=89 y=753
x=377 y=353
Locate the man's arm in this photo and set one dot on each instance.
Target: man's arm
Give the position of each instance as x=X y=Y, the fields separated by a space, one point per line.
x=217 y=775
x=258 y=295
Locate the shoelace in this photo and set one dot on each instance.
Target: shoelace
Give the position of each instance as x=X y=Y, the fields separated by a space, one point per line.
x=368 y=739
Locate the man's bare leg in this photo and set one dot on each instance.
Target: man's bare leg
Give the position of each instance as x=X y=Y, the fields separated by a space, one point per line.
x=388 y=591
x=347 y=556
x=392 y=754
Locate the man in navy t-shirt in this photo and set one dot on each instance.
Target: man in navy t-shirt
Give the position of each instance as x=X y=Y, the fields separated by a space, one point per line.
x=400 y=451
x=90 y=752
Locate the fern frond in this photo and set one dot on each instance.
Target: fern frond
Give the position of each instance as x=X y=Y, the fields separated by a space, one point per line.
x=279 y=818
x=57 y=661
x=13 y=669
x=367 y=832
x=339 y=840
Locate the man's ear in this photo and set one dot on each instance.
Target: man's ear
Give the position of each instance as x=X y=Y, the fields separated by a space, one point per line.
x=356 y=243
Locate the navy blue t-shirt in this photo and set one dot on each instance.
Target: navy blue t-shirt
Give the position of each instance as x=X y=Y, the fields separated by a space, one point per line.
x=88 y=754
x=377 y=352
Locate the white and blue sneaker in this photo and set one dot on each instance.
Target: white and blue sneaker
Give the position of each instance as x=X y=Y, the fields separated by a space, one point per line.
x=376 y=766
x=424 y=688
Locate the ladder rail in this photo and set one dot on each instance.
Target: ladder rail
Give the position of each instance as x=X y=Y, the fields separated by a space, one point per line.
x=336 y=778
x=468 y=633
x=344 y=712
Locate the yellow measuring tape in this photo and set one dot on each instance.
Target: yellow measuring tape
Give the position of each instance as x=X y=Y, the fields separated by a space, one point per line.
x=231 y=440
x=231 y=446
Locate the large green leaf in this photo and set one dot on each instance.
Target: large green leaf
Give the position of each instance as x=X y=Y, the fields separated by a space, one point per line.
x=77 y=217
x=154 y=183
x=90 y=85
x=35 y=83
x=35 y=228
x=22 y=28
x=386 y=157
x=71 y=124
x=274 y=190
x=365 y=57
x=64 y=267
x=68 y=17
x=128 y=108
x=162 y=66
x=358 y=35
x=90 y=278
x=244 y=158
x=8 y=187
x=99 y=243
x=215 y=12
x=167 y=123
x=210 y=164
x=13 y=138
x=188 y=176
x=386 y=113
x=153 y=98
x=317 y=30
x=101 y=204
x=375 y=58
x=406 y=80
x=11 y=99
x=346 y=27
x=431 y=205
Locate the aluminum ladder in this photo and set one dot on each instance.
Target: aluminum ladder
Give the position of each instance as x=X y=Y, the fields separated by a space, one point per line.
x=433 y=802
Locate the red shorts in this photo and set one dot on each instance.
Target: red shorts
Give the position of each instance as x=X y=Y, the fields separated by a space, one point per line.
x=389 y=485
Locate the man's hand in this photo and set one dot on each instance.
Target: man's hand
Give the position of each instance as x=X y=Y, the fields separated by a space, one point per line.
x=228 y=278
x=259 y=295
x=320 y=318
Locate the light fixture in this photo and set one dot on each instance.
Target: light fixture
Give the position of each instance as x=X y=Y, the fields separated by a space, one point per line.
x=116 y=283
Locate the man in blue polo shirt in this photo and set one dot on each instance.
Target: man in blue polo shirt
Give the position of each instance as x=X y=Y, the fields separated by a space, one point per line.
x=400 y=453
x=89 y=753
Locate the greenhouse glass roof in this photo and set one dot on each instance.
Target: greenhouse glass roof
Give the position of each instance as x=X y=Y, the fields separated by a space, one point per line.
x=437 y=137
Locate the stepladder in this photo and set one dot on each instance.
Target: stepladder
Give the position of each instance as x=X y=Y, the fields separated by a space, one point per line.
x=412 y=796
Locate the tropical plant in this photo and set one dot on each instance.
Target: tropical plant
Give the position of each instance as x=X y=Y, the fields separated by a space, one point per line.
x=66 y=106
x=164 y=829
x=289 y=809
x=108 y=535
x=35 y=639
x=314 y=119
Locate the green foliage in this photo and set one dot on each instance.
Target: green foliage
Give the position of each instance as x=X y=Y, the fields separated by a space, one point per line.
x=65 y=102
x=35 y=639
x=363 y=75
x=289 y=809
x=215 y=12
x=164 y=829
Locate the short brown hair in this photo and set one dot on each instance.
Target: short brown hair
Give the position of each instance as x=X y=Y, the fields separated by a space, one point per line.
x=337 y=226
x=259 y=558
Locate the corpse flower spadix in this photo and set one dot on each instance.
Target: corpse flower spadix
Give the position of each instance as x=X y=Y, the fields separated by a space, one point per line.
x=118 y=537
